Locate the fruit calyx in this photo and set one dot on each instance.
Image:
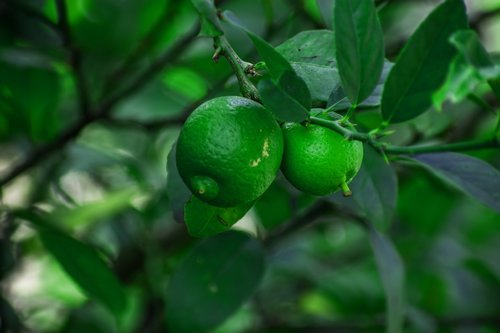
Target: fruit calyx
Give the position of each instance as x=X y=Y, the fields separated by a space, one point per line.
x=205 y=187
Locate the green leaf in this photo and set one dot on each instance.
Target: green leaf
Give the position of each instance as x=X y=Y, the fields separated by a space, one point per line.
x=280 y=69
x=312 y=46
x=213 y=281
x=461 y=80
x=468 y=43
x=359 y=46
x=203 y=220
x=422 y=66
x=392 y=274
x=338 y=96
x=111 y=204
x=275 y=62
x=282 y=105
x=320 y=80
x=177 y=191
x=29 y=95
x=472 y=176
x=210 y=24
x=295 y=86
x=81 y=262
x=375 y=190
x=274 y=207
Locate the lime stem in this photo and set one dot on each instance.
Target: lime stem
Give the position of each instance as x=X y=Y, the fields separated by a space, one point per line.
x=240 y=67
x=491 y=142
x=345 y=189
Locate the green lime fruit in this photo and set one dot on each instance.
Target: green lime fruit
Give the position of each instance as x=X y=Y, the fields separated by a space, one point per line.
x=229 y=151
x=318 y=160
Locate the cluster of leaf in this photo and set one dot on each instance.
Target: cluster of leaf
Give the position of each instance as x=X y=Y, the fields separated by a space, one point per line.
x=89 y=240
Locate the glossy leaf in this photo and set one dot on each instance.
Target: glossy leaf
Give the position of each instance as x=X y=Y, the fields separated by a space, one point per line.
x=210 y=24
x=81 y=262
x=279 y=68
x=281 y=104
x=392 y=274
x=338 y=96
x=375 y=190
x=320 y=80
x=468 y=43
x=213 y=281
x=472 y=176
x=311 y=46
x=177 y=191
x=203 y=220
x=422 y=66
x=359 y=46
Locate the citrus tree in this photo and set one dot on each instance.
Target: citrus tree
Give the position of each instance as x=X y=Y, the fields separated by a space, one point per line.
x=235 y=166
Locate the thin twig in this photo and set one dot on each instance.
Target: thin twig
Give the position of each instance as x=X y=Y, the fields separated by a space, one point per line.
x=492 y=142
x=240 y=67
x=75 y=58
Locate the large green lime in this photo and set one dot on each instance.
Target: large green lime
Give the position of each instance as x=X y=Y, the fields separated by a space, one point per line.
x=229 y=151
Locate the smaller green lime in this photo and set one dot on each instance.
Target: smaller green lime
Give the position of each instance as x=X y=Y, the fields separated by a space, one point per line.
x=318 y=160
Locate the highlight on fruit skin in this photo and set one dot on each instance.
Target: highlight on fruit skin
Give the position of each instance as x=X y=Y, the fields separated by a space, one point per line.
x=229 y=151
x=318 y=160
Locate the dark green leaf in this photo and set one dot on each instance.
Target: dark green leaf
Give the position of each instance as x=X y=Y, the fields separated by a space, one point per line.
x=359 y=46
x=473 y=176
x=210 y=24
x=392 y=274
x=177 y=191
x=338 y=97
x=468 y=43
x=422 y=66
x=275 y=62
x=213 y=281
x=484 y=272
x=375 y=190
x=320 y=79
x=295 y=86
x=203 y=220
x=274 y=207
x=279 y=68
x=313 y=46
x=29 y=96
x=81 y=262
x=282 y=105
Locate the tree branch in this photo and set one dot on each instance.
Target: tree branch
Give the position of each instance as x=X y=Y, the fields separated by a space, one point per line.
x=492 y=142
x=75 y=58
x=240 y=67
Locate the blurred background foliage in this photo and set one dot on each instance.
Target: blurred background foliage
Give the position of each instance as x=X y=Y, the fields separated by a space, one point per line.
x=90 y=108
